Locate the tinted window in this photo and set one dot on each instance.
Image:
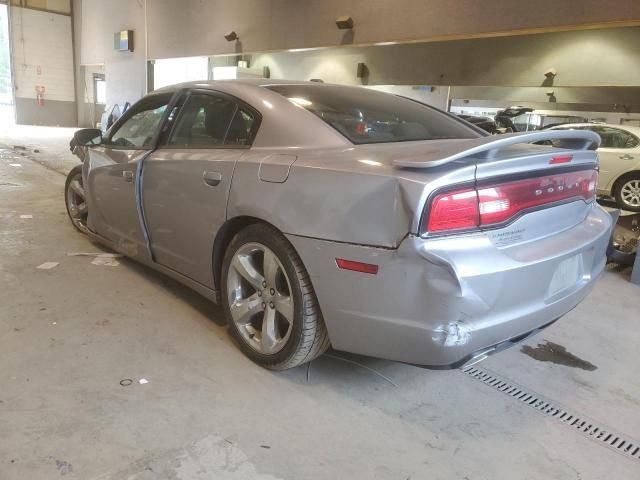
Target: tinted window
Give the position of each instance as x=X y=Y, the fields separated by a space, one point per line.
x=212 y=120
x=616 y=138
x=366 y=116
x=138 y=130
x=552 y=120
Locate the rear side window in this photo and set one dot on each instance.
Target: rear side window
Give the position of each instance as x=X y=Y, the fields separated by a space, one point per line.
x=367 y=116
x=209 y=121
x=616 y=138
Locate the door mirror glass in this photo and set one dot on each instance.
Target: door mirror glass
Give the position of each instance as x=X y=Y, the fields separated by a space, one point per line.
x=88 y=137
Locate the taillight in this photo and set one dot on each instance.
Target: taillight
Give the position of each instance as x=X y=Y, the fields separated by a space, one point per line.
x=454 y=211
x=498 y=203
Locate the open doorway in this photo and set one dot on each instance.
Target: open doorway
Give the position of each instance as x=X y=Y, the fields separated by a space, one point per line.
x=6 y=88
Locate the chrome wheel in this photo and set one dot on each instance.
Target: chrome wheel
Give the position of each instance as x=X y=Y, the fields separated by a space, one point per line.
x=630 y=193
x=260 y=299
x=76 y=201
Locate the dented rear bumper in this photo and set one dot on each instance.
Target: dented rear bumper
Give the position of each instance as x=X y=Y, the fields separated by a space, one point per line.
x=439 y=302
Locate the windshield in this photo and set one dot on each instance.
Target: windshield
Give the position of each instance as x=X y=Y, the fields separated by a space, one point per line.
x=367 y=116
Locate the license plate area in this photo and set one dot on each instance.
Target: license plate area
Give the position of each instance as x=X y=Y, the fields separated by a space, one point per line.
x=566 y=276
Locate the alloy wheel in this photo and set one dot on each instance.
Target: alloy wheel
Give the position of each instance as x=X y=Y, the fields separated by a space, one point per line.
x=630 y=193
x=260 y=299
x=76 y=202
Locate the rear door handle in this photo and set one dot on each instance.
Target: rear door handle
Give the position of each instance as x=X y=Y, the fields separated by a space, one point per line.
x=626 y=156
x=212 y=178
x=128 y=175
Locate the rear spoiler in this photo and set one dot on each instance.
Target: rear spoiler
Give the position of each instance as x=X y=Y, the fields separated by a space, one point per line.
x=488 y=147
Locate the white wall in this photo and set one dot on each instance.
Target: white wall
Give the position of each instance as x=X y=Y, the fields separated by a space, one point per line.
x=98 y=20
x=42 y=54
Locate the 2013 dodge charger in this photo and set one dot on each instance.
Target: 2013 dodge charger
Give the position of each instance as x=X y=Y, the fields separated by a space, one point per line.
x=321 y=214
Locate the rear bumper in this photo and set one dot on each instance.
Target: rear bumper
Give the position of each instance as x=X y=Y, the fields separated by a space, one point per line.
x=438 y=302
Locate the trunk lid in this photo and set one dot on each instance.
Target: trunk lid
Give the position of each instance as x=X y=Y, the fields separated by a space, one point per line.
x=506 y=162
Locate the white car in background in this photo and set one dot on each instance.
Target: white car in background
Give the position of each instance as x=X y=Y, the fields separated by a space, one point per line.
x=619 y=155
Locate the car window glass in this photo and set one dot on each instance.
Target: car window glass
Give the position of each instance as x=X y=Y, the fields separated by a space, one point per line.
x=616 y=138
x=241 y=131
x=139 y=129
x=212 y=120
x=367 y=116
x=521 y=122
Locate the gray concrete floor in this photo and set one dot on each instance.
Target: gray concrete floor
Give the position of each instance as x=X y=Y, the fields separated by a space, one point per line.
x=70 y=334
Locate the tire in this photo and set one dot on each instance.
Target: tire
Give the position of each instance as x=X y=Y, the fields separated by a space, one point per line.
x=621 y=258
x=296 y=333
x=75 y=201
x=627 y=192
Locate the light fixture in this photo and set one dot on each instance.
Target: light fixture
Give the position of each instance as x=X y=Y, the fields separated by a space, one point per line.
x=345 y=22
x=362 y=70
x=231 y=36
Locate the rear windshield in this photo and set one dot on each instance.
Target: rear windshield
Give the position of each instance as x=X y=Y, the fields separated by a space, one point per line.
x=367 y=116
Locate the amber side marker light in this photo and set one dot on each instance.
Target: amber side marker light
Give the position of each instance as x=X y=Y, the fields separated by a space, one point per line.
x=356 y=266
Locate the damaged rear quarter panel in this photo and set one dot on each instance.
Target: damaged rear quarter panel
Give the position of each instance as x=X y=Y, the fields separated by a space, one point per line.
x=331 y=196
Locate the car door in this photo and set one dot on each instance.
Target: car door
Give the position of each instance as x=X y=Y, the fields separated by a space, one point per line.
x=113 y=170
x=186 y=181
x=617 y=153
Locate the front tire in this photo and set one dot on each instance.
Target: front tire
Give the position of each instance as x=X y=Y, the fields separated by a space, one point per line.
x=271 y=308
x=627 y=192
x=76 y=199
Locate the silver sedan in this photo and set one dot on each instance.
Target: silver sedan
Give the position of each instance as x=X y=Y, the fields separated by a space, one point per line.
x=619 y=154
x=325 y=215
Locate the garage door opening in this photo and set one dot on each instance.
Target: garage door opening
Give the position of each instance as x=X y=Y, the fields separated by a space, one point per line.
x=6 y=89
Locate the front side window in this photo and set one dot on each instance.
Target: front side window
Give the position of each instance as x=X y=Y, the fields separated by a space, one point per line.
x=209 y=120
x=366 y=116
x=138 y=130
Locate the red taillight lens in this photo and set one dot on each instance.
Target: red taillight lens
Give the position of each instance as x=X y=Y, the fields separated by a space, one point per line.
x=454 y=211
x=499 y=203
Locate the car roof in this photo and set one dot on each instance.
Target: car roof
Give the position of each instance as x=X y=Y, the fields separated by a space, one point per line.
x=257 y=82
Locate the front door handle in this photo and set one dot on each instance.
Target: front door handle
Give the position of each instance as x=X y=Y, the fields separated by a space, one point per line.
x=128 y=175
x=212 y=178
x=626 y=156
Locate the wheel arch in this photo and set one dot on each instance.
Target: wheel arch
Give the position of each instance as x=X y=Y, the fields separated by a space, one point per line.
x=223 y=238
x=621 y=178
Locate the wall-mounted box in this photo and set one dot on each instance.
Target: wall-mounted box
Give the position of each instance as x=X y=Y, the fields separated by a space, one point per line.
x=123 y=41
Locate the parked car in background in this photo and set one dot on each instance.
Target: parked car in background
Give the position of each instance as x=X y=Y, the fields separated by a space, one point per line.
x=525 y=119
x=484 y=123
x=322 y=214
x=619 y=155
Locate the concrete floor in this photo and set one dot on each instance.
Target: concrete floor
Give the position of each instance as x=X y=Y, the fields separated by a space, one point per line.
x=69 y=335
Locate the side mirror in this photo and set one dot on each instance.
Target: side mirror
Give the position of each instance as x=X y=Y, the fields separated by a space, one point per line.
x=88 y=137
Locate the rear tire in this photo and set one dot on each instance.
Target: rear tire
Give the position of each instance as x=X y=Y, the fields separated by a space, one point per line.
x=627 y=192
x=269 y=302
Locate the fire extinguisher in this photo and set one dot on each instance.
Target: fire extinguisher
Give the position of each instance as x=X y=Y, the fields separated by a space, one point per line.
x=40 y=95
